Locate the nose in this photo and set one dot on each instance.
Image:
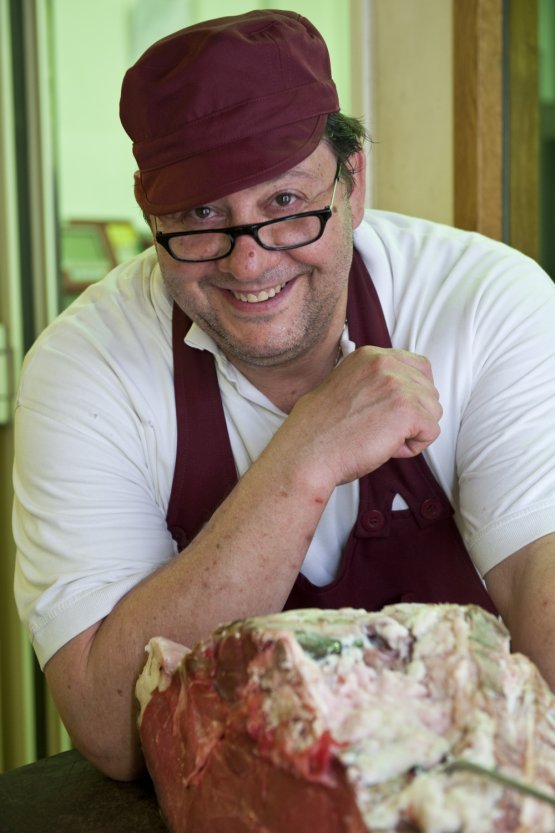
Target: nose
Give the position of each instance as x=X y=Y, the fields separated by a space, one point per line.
x=247 y=259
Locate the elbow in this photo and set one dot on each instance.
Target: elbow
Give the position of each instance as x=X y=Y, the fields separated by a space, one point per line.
x=101 y=718
x=115 y=765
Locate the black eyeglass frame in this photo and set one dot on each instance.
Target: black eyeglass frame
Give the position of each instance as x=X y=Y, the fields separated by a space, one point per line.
x=233 y=232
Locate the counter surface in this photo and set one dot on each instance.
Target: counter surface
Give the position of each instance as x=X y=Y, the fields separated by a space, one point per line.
x=66 y=794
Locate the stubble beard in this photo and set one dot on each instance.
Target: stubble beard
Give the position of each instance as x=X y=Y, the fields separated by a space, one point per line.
x=289 y=343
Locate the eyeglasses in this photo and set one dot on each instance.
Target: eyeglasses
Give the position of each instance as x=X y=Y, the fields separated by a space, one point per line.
x=291 y=232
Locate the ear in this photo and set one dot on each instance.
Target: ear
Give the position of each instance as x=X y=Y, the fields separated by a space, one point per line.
x=357 y=163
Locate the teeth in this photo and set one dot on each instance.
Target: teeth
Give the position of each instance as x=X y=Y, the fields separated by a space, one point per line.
x=251 y=298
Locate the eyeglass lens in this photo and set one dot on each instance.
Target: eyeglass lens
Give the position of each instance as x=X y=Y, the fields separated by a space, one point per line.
x=289 y=233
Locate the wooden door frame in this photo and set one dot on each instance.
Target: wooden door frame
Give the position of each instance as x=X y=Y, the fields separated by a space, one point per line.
x=496 y=136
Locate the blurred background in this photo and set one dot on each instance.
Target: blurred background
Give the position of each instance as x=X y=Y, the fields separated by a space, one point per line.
x=458 y=96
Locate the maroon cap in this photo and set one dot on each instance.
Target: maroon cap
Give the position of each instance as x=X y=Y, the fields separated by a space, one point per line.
x=224 y=105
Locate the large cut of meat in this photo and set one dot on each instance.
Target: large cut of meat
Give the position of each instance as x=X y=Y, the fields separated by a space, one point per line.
x=326 y=721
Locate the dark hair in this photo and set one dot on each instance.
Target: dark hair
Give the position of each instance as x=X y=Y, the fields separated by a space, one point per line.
x=346 y=135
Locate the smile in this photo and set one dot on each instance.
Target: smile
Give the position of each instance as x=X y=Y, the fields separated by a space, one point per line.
x=256 y=298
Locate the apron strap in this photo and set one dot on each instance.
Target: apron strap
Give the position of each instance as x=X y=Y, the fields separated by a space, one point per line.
x=203 y=445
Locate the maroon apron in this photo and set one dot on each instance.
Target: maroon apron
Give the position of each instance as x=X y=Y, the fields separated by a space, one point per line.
x=411 y=555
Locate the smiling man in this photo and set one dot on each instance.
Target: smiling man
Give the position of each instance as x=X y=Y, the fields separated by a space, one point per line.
x=286 y=402
x=261 y=306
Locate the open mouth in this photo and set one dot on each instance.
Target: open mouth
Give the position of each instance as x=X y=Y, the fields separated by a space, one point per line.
x=258 y=297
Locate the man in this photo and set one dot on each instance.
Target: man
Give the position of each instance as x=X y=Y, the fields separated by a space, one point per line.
x=234 y=421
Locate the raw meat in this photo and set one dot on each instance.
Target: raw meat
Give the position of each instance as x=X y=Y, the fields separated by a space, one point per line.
x=345 y=722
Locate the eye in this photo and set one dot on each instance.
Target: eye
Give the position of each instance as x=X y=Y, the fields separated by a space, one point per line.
x=200 y=217
x=285 y=200
x=203 y=212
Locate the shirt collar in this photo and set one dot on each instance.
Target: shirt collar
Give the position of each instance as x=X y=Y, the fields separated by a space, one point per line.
x=200 y=340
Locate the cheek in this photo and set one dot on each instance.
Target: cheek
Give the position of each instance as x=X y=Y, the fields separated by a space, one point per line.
x=345 y=218
x=333 y=252
x=181 y=279
x=340 y=244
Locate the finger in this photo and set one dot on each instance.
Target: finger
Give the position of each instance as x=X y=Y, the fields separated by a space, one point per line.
x=369 y=364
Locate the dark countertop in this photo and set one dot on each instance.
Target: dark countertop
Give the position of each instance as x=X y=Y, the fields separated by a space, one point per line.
x=66 y=794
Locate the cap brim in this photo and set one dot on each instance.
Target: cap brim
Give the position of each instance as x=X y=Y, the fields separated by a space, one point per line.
x=209 y=176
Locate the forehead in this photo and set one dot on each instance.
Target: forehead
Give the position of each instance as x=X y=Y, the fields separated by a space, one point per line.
x=310 y=173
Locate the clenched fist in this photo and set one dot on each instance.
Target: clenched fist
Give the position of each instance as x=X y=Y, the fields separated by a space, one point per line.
x=377 y=404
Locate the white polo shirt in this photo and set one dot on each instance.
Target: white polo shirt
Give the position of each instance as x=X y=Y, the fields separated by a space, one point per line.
x=96 y=430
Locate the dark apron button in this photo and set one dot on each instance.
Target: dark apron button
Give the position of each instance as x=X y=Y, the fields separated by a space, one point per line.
x=430 y=508
x=373 y=520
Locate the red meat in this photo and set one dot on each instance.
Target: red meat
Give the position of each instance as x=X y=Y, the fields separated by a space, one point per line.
x=346 y=722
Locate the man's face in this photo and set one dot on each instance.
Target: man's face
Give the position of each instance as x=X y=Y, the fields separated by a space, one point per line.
x=268 y=308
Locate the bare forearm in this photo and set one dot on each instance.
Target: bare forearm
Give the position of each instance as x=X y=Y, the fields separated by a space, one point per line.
x=244 y=562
